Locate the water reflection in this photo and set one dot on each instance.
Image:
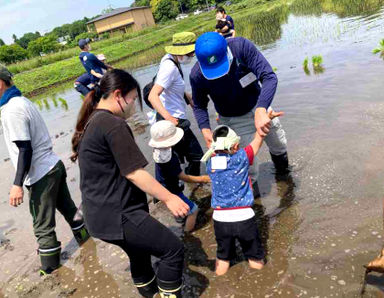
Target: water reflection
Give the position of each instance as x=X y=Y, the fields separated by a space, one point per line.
x=263 y=27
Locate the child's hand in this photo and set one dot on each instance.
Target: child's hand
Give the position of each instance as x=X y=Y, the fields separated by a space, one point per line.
x=272 y=114
x=205 y=179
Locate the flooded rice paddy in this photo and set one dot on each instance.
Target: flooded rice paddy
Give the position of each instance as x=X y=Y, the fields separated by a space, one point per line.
x=320 y=226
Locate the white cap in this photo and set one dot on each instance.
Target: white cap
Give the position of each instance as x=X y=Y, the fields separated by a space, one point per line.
x=165 y=134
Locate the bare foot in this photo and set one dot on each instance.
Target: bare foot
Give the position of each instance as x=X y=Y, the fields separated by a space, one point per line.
x=256 y=264
x=221 y=267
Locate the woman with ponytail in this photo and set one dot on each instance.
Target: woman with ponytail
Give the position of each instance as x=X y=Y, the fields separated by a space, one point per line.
x=114 y=184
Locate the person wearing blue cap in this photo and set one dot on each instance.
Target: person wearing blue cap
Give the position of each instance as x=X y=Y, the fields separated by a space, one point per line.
x=241 y=84
x=91 y=63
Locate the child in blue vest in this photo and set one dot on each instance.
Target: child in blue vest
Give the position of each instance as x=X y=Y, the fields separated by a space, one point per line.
x=165 y=135
x=232 y=197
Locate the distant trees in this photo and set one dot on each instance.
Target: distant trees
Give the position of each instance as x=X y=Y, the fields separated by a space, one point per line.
x=45 y=44
x=2 y=42
x=164 y=10
x=139 y=3
x=27 y=38
x=12 y=53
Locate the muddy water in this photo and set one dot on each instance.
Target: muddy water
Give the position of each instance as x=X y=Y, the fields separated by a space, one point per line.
x=319 y=226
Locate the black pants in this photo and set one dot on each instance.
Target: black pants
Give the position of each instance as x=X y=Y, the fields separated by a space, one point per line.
x=246 y=232
x=188 y=148
x=151 y=238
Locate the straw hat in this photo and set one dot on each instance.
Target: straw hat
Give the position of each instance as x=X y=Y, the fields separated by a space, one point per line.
x=182 y=43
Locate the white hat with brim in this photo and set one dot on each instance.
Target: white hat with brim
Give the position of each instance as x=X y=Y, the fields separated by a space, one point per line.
x=165 y=134
x=183 y=43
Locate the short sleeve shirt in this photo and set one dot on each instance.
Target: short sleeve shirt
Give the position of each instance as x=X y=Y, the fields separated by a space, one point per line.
x=170 y=79
x=107 y=153
x=168 y=174
x=22 y=121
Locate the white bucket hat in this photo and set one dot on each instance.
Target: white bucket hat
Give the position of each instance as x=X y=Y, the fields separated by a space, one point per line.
x=165 y=134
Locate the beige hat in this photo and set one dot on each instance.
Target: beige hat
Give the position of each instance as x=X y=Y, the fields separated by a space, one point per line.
x=165 y=134
x=183 y=43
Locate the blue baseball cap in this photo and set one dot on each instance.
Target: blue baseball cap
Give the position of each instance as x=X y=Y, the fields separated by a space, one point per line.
x=211 y=52
x=83 y=42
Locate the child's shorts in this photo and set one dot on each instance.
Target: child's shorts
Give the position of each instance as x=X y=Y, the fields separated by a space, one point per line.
x=192 y=205
x=246 y=232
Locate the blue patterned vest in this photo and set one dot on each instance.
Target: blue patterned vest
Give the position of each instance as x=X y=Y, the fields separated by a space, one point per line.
x=231 y=187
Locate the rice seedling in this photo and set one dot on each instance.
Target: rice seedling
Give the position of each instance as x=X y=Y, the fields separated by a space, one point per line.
x=379 y=49
x=64 y=103
x=317 y=61
x=305 y=66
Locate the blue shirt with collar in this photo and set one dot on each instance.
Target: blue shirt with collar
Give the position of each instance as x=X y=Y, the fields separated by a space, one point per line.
x=229 y=97
x=90 y=62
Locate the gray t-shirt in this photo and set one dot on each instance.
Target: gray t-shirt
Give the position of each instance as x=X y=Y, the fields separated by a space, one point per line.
x=22 y=122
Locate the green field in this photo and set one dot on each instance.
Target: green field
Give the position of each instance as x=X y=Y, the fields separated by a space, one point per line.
x=130 y=50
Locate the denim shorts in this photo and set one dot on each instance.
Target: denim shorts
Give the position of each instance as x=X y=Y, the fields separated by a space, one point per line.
x=192 y=206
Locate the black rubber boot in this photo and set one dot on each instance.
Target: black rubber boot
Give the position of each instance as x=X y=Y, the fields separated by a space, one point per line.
x=50 y=259
x=170 y=289
x=148 y=290
x=281 y=163
x=81 y=234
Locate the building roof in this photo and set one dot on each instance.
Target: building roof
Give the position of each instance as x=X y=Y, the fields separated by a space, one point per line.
x=116 y=12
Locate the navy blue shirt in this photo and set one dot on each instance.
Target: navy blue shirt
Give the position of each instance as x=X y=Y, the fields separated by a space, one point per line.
x=230 y=20
x=229 y=97
x=84 y=79
x=168 y=174
x=90 y=62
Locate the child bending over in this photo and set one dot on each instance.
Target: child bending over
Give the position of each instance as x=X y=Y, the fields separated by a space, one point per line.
x=165 y=135
x=232 y=197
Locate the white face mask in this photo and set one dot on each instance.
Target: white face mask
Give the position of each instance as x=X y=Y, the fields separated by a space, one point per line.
x=185 y=59
x=162 y=155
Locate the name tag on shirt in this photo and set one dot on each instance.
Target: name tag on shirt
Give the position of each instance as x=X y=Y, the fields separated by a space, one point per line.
x=248 y=79
x=219 y=162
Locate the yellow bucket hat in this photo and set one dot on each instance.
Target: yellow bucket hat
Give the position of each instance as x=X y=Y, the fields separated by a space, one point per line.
x=182 y=43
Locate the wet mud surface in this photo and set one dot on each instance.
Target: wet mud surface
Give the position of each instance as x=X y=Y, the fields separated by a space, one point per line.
x=320 y=225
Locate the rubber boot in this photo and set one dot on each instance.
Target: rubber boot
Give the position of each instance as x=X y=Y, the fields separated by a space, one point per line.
x=149 y=289
x=50 y=259
x=81 y=234
x=169 y=289
x=281 y=163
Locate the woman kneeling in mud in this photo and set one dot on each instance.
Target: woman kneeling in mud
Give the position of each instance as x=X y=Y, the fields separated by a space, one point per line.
x=114 y=184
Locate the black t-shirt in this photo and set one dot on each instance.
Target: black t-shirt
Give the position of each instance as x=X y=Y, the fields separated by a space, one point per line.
x=107 y=153
x=168 y=174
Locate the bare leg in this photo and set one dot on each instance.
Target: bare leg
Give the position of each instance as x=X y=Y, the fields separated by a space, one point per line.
x=191 y=221
x=256 y=264
x=221 y=267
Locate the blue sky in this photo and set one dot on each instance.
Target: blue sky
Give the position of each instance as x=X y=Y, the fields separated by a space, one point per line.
x=22 y=16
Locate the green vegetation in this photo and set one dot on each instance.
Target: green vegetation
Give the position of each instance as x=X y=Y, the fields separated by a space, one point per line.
x=317 y=65
x=379 y=49
x=317 y=61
